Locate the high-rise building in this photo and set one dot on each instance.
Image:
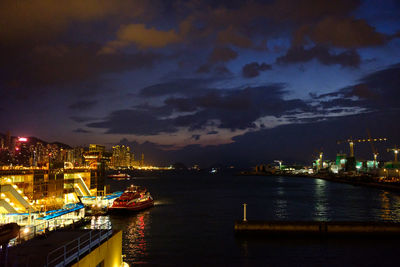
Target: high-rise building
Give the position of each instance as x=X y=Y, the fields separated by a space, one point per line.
x=121 y=156
x=97 y=148
x=22 y=152
x=8 y=141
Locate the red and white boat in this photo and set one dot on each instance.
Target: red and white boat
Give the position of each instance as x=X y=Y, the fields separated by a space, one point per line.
x=134 y=198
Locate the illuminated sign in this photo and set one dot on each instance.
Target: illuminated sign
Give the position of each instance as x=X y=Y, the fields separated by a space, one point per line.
x=22 y=139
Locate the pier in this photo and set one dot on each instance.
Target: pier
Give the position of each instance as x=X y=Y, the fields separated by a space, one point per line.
x=318 y=228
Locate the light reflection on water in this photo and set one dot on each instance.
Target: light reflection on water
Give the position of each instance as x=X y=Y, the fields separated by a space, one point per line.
x=321 y=203
x=163 y=202
x=280 y=203
x=135 y=229
x=281 y=208
x=100 y=222
x=193 y=216
x=390 y=209
x=135 y=245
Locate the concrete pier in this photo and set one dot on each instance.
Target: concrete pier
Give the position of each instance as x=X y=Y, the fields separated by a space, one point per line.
x=315 y=228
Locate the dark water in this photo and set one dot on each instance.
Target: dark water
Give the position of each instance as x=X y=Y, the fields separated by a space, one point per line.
x=192 y=222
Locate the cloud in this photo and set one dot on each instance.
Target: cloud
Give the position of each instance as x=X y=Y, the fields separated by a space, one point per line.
x=212 y=132
x=298 y=54
x=308 y=11
x=142 y=37
x=80 y=130
x=179 y=86
x=196 y=137
x=229 y=36
x=205 y=68
x=135 y=121
x=209 y=68
x=49 y=65
x=83 y=105
x=340 y=32
x=232 y=109
x=181 y=104
x=82 y=118
x=253 y=69
x=222 y=54
x=377 y=91
x=41 y=20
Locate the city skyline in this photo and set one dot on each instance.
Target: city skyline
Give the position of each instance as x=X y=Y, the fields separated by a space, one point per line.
x=198 y=80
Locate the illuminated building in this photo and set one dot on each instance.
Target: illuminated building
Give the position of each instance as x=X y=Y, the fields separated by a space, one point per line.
x=75 y=156
x=97 y=158
x=341 y=160
x=121 y=157
x=8 y=141
x=22 y=153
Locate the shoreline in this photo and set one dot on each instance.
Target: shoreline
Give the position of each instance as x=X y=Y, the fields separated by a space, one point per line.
x=346 y=180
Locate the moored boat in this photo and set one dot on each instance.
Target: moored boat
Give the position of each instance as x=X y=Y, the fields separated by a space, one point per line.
x=134 y=198
x=119 y=176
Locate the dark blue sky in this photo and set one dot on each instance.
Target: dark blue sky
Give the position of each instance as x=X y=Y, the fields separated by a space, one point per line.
x=202 y=81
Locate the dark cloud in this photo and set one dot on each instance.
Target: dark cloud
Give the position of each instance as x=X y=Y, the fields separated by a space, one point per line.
x=80 y=130
x=298 y=54
x=82 y=118
x=83 y=105
x=42 y=20
x=309 y=11
x=222 y=70
x=253 y=69
x=379 y=90
x=134 y=121
x=341 y=32
x=208 y=68
x=232 y=109
x=141 y=36
x=230 y=36
x=181 y=86
x=222 y=54
x=375 y=91
x=196 y=137
x=363 y=91
x=59 y=65
x=205 y=68
x=212 y=132
x=181 y=104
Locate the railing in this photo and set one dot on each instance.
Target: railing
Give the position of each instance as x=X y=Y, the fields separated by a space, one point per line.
x=74 y=249
x=31 y=231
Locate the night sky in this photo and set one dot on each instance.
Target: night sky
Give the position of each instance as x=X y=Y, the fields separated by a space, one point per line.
x=235 y=82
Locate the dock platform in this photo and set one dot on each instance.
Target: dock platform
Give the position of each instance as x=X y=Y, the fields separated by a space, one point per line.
x=318 y=228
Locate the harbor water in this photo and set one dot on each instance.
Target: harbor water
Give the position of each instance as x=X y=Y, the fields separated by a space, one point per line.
x=192 y=221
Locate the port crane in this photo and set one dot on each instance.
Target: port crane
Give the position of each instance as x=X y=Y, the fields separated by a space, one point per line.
x=352 y=141
x=319 y=160
x=395 y=151
x=374 y=151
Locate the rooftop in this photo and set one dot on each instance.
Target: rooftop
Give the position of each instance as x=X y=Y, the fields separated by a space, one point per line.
x=36 y=251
